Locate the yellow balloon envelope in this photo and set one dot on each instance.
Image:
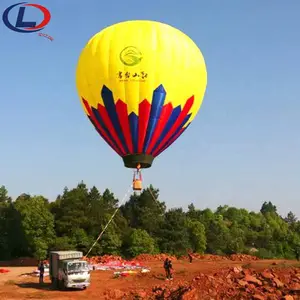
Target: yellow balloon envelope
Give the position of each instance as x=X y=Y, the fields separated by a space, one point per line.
x=141 y=83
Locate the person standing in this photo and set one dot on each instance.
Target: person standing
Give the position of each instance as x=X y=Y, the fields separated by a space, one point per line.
x=297 y=252
x=42 y=270
x=190 y=257
x=168 y=269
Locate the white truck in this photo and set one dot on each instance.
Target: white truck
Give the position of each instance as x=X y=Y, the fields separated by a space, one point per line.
x=68 y=270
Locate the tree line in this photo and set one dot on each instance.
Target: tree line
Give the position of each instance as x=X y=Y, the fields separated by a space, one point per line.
x=30 y=226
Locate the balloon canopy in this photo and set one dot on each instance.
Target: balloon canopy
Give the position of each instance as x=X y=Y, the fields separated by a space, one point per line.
x=141 y=83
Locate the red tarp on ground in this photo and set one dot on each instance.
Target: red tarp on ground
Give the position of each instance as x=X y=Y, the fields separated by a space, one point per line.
x=111 y=262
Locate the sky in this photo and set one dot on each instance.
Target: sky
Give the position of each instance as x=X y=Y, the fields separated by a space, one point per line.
x=243 y=147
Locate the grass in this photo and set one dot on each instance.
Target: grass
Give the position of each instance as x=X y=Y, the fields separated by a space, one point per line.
x=281 y=265
x=182 y=271
x=37 y=296
x=284 y=265
x=10 y=282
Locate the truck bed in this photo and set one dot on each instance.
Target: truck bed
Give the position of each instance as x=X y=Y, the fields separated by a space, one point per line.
x=62 y=255
x=57 y=256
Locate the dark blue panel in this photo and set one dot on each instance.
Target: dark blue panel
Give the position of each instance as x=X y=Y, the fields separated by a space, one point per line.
x=158 y=100
x=110 y=106
x=174 y=116
x=179 y=135
x=177 y=130
x=100 y=121
x=133 y=123
x=96 y=127
x=185 y=120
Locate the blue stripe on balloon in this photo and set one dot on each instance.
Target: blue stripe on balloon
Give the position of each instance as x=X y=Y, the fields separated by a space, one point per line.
x=133 y=123
x=100 y=121
x=110 y=106
x=185 y=120
x=158 y=99
x=105 y=139
x=176 y=131
x=174 y=116
x=96 y=127
x=178 y=135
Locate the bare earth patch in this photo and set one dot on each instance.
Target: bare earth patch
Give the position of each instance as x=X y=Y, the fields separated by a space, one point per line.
x=201 y=279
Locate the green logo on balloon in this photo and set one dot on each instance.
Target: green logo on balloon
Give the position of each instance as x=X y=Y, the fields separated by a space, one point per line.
x=130 y=56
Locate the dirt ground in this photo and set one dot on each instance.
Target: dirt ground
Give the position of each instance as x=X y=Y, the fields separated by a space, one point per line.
x=103 y=286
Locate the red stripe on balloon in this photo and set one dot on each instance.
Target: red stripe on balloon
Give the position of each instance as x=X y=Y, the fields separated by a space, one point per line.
x=189 y=103
x=163 y=119
x=107 y=122
x=159 y=151
x=144 y=114
x=121 y=109
x=98 y=126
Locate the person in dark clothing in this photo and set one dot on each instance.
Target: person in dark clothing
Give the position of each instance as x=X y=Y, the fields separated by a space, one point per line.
x=166 y=262
x=297 y=253
x=190 y=257
x=42 y=270
x=168 y=269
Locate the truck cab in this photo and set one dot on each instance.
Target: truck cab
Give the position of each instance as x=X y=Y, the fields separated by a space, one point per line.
x=68 y=270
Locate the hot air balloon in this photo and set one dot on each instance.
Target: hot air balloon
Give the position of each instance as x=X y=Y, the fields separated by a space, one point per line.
x=141 y=83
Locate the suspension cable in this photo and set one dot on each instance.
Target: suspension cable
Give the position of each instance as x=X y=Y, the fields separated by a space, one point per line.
x=113 y=215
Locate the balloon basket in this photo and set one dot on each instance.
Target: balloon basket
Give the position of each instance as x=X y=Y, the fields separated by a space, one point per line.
x=137 y=185
x=137 y=182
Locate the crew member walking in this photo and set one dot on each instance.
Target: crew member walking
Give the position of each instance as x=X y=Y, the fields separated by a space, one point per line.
x=168 y=269
x=42 y=270
x=190 y=257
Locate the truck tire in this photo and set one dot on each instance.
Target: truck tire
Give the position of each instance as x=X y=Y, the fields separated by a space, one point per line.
x=54 y=283
x=60 y=284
